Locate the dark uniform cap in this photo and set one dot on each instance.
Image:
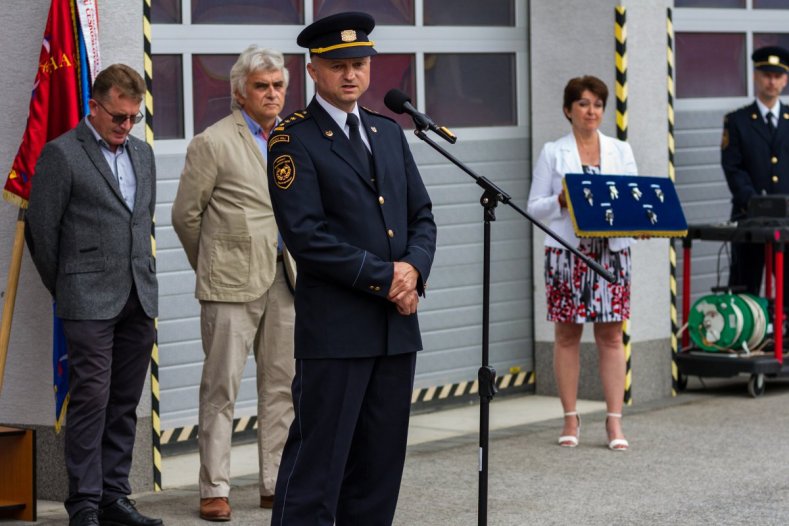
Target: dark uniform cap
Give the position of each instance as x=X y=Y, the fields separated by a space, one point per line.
x=343 y=35
x=771 y=58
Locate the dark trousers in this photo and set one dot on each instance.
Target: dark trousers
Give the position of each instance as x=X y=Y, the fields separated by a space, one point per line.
x=344 y=457
x=747 y=268
x=108 y=361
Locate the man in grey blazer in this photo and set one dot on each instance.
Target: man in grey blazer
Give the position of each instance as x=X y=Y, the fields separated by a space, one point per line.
x=89 y=227
x=222 y=214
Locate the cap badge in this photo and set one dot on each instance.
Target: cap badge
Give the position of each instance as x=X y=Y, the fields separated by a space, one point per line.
x=349 y=35
x=773 y=59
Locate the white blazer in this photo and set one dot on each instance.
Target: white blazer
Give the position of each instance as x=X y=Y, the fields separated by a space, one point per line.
x=559 y=158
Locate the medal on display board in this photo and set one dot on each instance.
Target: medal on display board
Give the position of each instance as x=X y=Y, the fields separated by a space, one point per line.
x=604 y=205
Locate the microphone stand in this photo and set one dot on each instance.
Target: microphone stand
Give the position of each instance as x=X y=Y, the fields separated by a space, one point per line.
x=493 y=195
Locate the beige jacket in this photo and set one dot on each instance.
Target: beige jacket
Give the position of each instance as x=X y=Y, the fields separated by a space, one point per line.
x=222 y=214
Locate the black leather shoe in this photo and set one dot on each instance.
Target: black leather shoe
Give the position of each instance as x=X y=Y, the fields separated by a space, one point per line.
x=123 y=513
x=86 y=517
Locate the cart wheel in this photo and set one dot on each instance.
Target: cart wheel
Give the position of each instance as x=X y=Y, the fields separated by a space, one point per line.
x=756 y=385
x=682 y=382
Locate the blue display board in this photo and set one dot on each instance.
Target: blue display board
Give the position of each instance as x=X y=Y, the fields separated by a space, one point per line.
x=603 y=205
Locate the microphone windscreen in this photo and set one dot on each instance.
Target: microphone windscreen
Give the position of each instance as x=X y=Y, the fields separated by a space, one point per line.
x=395 y=100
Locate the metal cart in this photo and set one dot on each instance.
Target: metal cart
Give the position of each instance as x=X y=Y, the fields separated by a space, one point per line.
x=692 y=361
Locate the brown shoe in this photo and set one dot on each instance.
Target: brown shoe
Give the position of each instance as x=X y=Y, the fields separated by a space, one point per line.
x=267 y=501
x=215 y=509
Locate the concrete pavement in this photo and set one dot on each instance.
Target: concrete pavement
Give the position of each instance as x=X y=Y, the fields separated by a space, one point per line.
x=710 y=456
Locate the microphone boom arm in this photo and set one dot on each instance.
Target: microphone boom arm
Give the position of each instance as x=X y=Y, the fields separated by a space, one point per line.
x=492 y=191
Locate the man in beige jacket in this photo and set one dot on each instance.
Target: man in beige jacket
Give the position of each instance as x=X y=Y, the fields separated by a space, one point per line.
x=223 y=217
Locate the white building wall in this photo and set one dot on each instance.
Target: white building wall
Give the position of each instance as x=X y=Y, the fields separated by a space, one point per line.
x=584 y=45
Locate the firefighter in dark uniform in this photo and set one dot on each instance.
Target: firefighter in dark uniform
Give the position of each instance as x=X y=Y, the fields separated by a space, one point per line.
x=355 y=214
x=755 y=158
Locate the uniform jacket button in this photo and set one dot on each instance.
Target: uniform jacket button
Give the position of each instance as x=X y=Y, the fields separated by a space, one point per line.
x=380 y=199
x=390 y=233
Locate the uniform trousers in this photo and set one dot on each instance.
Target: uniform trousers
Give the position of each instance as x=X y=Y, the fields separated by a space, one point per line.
x=344 y=458
x=747 y=269
x=108 y=361
x=229 y=331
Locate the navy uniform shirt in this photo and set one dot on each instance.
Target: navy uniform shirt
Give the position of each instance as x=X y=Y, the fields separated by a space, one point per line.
x=346 y=222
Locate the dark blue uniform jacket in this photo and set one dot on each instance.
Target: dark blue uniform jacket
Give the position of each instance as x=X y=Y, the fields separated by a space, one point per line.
x=345 y=225
x=754 y=162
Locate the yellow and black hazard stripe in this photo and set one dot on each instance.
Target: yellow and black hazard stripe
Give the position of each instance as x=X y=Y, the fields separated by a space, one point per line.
x=672 y=254
x=422 y=399
x=155 y=420
x=620 y=35
x=628 y=362
x=431 y=397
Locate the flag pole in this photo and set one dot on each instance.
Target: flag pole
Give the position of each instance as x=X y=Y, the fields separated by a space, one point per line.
x=10 y=291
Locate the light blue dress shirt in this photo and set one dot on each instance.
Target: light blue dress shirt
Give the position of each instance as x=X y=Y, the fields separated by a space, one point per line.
x=121 y=166
x=255 y=128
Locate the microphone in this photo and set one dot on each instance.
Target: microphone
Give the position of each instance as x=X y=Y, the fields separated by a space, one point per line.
x=399 y=102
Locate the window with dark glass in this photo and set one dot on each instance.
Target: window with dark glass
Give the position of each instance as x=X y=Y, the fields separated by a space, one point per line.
x=389 y=71
x=770 y=39
x=247 y=12
x=166 y=11
x=770 y=4
x=385 y=12
x=711 y=65
x=168 y=97
x=469 y=13
x=710 y=3
x=471 y=89
x=211 y=87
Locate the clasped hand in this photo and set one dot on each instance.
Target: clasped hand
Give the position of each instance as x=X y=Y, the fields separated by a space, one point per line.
x=402 y=292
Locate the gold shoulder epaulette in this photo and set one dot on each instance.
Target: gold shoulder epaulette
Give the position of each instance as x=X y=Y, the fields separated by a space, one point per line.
x=373 y=112
x=293 y=118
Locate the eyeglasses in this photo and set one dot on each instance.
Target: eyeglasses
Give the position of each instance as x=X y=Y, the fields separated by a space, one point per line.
x=120 y=119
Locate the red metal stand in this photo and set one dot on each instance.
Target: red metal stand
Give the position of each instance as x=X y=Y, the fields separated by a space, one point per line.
x=778 y=323
x=686 y=244
x=692 y=361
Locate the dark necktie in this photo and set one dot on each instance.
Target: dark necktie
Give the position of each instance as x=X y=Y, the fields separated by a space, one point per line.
x=356 y=139
x=770 y=125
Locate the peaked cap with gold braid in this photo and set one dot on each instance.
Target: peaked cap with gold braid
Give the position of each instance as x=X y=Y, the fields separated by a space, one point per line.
x=771 y=58
x=344 y=35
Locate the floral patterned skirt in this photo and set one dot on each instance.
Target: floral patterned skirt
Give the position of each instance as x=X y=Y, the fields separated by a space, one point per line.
x=577 y=294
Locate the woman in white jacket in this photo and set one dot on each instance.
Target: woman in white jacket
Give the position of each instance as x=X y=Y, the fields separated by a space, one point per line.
x=575 y=294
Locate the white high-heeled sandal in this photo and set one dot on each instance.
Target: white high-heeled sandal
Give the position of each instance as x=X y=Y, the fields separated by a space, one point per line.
x=571 y=440
x=617 y=444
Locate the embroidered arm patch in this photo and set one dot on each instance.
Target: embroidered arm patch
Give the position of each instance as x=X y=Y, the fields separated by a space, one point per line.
x=284 y=171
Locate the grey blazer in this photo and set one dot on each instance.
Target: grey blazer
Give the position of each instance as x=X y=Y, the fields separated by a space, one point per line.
x=88 y=247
